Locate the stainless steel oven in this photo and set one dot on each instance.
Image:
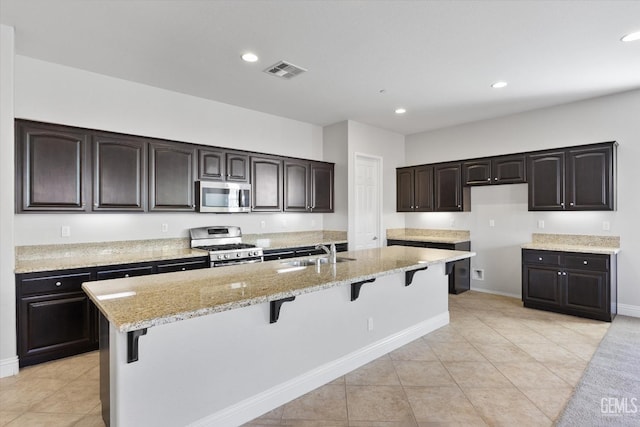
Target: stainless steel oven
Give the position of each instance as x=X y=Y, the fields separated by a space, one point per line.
x=224 y=244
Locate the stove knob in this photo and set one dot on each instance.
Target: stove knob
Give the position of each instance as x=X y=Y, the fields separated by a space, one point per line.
x=226 y=256
x=238 y=255
x=220 y=256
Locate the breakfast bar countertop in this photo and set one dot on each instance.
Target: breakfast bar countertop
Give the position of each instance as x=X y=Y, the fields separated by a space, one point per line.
x=141 y=302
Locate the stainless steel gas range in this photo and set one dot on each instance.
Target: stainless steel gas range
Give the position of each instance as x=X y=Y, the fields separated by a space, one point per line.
x=225 y=246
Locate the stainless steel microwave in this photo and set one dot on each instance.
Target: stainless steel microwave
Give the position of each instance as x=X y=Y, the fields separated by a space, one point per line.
x=223 y=197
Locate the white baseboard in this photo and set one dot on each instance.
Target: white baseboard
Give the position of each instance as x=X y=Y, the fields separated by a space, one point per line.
x=490 y=291
x=9 y=367
x=253 y=407
x=629 y=310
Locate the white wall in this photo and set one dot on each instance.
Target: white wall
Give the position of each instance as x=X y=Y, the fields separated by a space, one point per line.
x=366 y=139
x=600 y=119
x=8 y=359
x=52 y=93
x=335 y=149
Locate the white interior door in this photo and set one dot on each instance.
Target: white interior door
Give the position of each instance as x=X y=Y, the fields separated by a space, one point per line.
x=368 y=201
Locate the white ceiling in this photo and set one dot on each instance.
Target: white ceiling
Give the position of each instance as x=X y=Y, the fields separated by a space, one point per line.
x=437 y=59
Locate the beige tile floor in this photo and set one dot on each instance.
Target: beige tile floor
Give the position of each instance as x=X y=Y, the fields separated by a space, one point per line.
x=495 y=364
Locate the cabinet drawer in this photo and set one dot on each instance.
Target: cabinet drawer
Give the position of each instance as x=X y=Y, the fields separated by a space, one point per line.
x=587 y=262
x=49 y=284
x=541 y=258
x=125 y=272
x=183 y=265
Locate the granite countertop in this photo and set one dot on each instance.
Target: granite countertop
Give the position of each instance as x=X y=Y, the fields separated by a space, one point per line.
x=608 y=245
x=146 y=301
x=295 y=239
x=31 y=259
x=429 y=235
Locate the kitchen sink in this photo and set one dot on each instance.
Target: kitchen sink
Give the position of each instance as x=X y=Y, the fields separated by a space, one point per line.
x=314 y=261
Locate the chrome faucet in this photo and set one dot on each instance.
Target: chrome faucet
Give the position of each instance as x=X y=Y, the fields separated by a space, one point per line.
x=331 y=251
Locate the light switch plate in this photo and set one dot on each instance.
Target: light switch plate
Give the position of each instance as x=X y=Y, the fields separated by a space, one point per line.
x=492 y=223
x=65 y=231
x=540 y=223
x=164 y=227
x=606 y=226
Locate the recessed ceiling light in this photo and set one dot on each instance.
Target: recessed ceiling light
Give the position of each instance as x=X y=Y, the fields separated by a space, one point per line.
x=631 y=37
x=499 y=85
x=400 y=111
x=249 y=57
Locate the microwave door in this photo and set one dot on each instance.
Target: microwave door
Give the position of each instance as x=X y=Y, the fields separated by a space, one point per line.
x=244 y=199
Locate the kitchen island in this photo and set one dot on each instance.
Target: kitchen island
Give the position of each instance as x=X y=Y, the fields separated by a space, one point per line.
x=222 y=346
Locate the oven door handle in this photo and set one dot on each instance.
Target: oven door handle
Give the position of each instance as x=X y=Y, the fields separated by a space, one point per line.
x=226 y=263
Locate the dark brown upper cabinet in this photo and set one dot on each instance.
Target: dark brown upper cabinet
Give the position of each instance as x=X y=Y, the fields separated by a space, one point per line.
x=222 y=165
x=53 y=168
x=577 y=178
x=119 y=173
x=495 y=170
x=172 y=168
x=415 y=189
x=321 y=187
x=266 y=184
x=296 y=186
x=450 y=194
x=308 y=186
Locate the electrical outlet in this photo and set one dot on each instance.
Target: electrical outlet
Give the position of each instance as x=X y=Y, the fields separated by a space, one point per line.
x=452 y=222
x=606 y=226
x=492 y=223
x=370 y=324
x=540 y=223
x=164 y=227
x=263 y=224
x=65 y=231
x=477 y=274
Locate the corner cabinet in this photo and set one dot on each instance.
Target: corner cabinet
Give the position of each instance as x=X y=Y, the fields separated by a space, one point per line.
x=171 y=176
x=573 y=283
x=577 y=178
x=52 y=168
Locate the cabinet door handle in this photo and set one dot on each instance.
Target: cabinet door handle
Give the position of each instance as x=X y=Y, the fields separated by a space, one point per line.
x=585 y=262
x=571 y=204
x=495 y=179
x=126 y=275
x=417 y=206
x=488 y=179
x=539 y=258
x=559 y=273
x=184 y=268
x=564 y=273
x=58 y=283
x=562 y=204
x=411 y=206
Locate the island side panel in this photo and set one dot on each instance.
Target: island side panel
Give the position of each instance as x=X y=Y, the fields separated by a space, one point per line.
x=230 y=367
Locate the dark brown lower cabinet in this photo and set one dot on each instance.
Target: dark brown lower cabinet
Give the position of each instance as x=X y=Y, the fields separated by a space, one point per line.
x=56 y=319
x=54 y=316
x=572 y=283
x=460 y=276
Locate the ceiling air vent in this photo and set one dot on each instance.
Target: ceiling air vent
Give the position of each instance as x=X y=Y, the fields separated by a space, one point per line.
x=284 y=70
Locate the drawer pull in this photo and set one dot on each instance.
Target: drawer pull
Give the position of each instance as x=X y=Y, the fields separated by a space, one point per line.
x=126 y=275
x=58 y=283
x=184 y=268
x=539 y=258
x=585 y=262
